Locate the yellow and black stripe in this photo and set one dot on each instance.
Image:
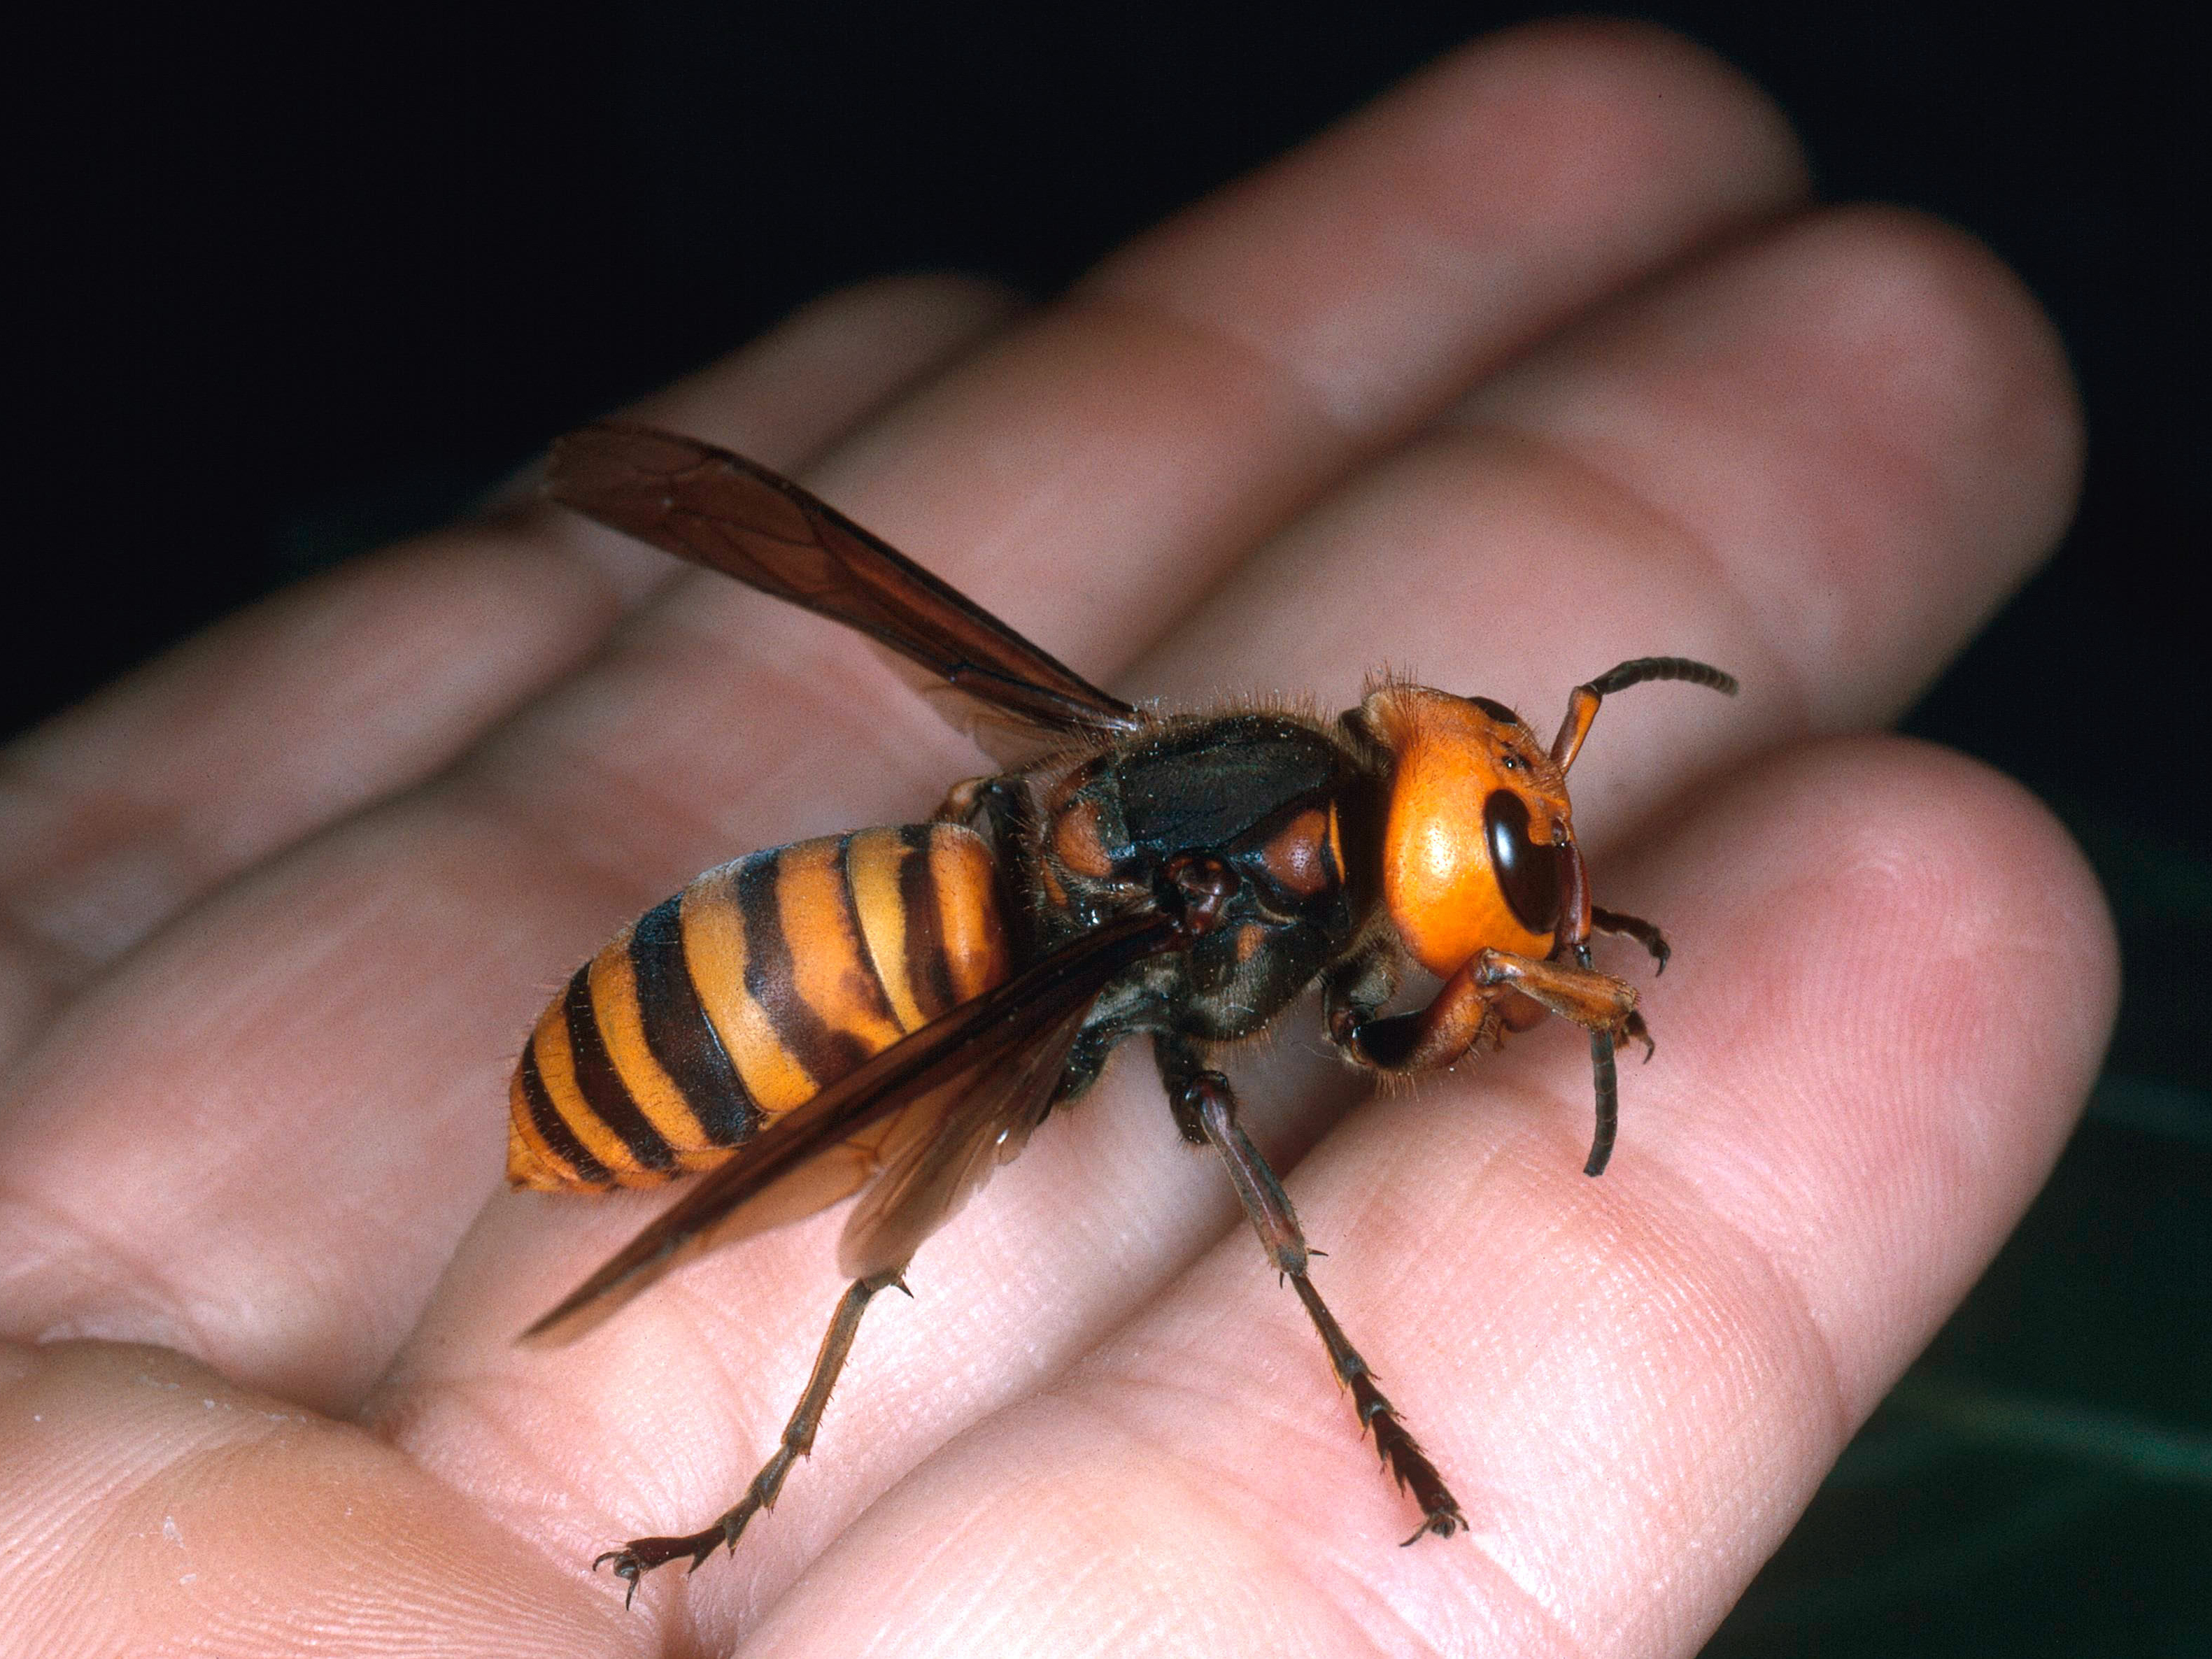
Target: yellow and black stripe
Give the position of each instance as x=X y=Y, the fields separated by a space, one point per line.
x=745 y=994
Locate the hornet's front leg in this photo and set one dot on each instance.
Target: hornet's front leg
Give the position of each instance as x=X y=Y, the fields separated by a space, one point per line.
x=1497 y=992
x=1205 y=1110
x=1645 y=933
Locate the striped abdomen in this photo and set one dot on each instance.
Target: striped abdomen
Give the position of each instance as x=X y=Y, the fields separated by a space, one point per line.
x=743 y=995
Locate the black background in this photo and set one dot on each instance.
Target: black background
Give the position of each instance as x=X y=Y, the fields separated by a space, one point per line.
x=302 y=286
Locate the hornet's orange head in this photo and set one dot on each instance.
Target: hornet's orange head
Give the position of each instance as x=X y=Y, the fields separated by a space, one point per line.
x=1475 y=831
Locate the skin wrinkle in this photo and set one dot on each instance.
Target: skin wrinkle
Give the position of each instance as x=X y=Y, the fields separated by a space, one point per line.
x=1702 y=1319
x=916 y=1566
x=1130 y=1625
x=1291 y=403
x=1122 y=365
x=177 y=1319
x=201 y=1466
x=959 y=316
x=1794 y=1348
x=1943 y=1157
x=940 y=1543
x=1948 y=283
x=67 y=937
x=751 y=1418
x=1750 y=1261
x=172 y=1311
x=764 y=1410
x=1292 y=391
x=754 y=1416
x=34 y=984
x=470 y=1401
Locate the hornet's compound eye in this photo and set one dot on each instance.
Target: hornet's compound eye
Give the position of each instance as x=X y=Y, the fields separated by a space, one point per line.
x=1527 y=874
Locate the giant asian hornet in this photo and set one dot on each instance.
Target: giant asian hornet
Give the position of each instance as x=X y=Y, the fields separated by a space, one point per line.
x=892 y=1013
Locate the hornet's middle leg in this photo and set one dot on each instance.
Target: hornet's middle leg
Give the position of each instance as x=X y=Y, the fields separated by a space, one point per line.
x=1205 y=1110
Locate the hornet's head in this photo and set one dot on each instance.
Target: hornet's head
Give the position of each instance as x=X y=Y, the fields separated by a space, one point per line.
x=1478 y=839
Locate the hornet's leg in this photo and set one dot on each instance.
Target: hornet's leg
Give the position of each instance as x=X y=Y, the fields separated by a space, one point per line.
x=1627 y=927
x=642 y=1555
x=1601 y=1005
x=1497 y=992
x=1205 y=1109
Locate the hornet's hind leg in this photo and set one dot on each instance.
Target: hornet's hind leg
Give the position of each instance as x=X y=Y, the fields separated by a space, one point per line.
x=641 y=1555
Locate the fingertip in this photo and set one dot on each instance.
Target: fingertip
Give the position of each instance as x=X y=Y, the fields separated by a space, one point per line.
x=1955 y=425
x=1658 y=91
x=1948 y=862
x=1958 y=380
x=1900 y=981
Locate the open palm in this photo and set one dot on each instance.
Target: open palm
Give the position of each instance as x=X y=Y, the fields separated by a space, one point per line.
x=1542 y=362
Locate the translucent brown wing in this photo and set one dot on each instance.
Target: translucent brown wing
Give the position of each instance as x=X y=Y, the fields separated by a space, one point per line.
x=722 y=511
x=974 y=1063
x=935 y=1172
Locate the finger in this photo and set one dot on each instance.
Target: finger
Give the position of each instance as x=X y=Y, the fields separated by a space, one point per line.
x=156 y=1508
x=1821 y=458
x=1064 y=1250
x=117 y=815
x=341 y=1023
x=1846 y=1119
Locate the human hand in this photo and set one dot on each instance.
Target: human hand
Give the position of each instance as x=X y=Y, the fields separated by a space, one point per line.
x=1540 y=363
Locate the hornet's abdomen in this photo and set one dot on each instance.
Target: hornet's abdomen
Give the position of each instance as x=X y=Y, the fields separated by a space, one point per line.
x=749 y=991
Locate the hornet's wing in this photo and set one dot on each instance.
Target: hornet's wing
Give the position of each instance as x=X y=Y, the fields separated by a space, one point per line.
x=722 y=511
